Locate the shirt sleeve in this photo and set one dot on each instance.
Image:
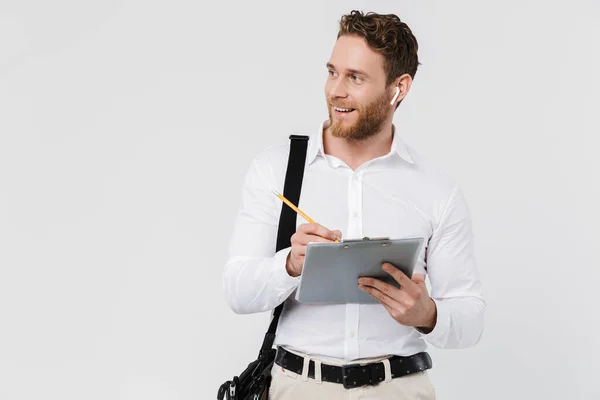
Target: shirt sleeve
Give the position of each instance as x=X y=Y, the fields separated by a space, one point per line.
x=455 y=282
x=255 y=278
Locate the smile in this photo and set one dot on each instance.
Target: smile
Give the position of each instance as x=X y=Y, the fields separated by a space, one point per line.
x=343 y=110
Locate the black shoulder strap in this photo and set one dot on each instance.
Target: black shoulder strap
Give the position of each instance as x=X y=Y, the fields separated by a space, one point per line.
x=287 y=219
x=291 y=189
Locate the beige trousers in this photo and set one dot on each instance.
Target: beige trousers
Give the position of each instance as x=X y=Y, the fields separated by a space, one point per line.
x=287 y=385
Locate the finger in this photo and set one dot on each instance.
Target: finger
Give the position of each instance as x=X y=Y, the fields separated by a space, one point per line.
x=400 y=277
x=396 y=313
x=300 y=250
x=419 y=279
x=385 y=288
x=319 y=239
x=391 y=310
x=338 y=233
x=318 y=230
x=302 y=242
x=299 y=238
x=389 y=303
x=305 y=238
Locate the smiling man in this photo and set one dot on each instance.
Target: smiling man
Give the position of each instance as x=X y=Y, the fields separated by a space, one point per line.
x=360 y=180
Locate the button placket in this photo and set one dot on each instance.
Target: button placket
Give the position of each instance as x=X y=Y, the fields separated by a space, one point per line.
x=358 y=203
x=354 y=230
x=353 y=216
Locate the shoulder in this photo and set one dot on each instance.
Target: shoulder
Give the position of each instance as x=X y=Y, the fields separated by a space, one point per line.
x=273 y=156
x=432 y=176
x=276 y=155
x=269 y=165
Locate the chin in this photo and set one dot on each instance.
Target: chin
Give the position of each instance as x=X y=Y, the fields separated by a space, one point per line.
x=343 y=132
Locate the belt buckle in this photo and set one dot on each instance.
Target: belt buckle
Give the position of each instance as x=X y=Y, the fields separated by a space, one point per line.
x=350 y=380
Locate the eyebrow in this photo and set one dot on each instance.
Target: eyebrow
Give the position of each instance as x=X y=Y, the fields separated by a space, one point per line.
x=350 y=70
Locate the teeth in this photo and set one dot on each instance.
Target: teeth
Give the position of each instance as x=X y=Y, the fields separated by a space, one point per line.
x=342 y=109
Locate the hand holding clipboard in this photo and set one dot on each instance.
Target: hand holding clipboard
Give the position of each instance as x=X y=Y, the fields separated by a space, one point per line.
x=305 y=234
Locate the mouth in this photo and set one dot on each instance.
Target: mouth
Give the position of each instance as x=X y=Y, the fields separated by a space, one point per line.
x=342 y=111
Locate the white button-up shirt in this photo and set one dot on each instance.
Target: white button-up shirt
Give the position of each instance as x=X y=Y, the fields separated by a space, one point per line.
x=397 y=195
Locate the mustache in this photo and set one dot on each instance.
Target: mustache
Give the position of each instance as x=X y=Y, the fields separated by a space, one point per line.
x=342 y=105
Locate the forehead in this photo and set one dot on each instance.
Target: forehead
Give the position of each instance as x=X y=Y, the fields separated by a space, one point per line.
x=353 y=53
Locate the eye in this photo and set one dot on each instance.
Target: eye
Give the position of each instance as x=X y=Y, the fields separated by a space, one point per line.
x=356 y=78
x=332 y=73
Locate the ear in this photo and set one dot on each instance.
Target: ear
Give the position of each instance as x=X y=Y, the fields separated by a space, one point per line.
x=402 y=83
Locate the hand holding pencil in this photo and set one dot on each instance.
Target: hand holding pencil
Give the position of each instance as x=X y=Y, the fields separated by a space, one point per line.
x=305 y=234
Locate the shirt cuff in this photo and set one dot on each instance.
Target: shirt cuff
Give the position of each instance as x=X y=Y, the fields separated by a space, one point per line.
x=442 y=325
x=283 y=282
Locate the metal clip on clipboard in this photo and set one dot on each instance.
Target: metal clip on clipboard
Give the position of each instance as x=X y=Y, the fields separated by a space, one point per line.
x=367 y=239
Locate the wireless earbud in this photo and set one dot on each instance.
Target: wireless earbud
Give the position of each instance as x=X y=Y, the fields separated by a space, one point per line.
x=395 y=96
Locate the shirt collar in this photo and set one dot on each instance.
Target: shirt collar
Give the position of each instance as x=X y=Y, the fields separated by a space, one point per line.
x=315 y=145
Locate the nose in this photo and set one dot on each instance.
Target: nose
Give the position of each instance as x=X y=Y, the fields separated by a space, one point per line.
x=337 y=89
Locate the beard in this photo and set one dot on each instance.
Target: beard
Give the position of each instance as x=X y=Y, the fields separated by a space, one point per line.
x=368 y=124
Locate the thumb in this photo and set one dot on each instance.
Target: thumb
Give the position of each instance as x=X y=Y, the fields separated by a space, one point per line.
x=418 y=279
x=337 y=233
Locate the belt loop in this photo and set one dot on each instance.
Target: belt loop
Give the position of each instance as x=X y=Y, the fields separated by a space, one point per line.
x=318 y=378
x=388 y=370
x=305 y=368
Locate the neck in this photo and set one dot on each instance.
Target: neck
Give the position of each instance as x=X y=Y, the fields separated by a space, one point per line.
x=357 y=152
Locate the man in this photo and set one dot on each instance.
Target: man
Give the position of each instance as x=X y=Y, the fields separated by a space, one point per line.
x=362 y=180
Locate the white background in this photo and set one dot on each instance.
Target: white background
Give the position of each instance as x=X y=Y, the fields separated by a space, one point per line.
x=126 y=128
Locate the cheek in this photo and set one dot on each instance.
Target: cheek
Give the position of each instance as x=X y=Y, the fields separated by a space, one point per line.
x=359 y=99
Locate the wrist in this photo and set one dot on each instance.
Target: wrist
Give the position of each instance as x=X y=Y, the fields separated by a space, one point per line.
x=289 y=268
x=431 y=317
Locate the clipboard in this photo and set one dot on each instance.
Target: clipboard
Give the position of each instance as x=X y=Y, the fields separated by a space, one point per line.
x=331 y=270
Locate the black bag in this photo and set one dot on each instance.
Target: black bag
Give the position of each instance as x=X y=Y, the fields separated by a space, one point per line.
x=253 y=383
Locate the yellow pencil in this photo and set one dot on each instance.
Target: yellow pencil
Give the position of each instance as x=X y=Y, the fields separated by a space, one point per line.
x=293 y=207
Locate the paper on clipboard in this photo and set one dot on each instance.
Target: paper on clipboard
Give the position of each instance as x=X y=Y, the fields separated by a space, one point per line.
x=331 y=270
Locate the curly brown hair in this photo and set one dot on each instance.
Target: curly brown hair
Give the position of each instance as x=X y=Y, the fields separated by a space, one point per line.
x=387 y=35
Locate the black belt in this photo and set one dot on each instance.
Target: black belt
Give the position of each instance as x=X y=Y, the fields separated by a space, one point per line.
x=355 y=375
